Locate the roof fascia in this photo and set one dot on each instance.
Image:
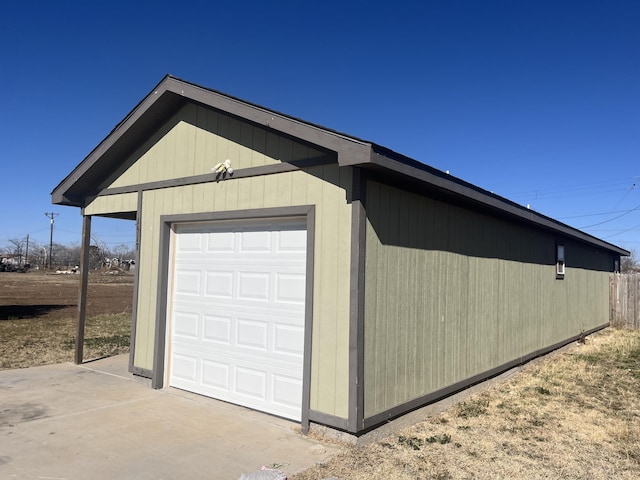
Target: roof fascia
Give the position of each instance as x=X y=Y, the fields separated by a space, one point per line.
x=350 y=148
x=474 y=194
x=58 y=194
x=351 y=152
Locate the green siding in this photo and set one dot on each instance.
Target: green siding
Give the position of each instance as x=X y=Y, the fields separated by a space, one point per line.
x=191 y=143
x=451 y=293
x=125 y=202
x=322 y=186
x=195 y=139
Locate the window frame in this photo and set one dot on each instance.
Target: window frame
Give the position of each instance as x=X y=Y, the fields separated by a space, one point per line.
x=561 y=261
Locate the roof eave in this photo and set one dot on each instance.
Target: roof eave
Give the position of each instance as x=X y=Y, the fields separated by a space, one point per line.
x=171 y=93
x=168 y=95
x=436 y=179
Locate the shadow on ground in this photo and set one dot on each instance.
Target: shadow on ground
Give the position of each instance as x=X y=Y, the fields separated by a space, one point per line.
x=12 y=312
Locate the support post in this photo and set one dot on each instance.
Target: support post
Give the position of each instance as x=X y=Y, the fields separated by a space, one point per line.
x=84 y=281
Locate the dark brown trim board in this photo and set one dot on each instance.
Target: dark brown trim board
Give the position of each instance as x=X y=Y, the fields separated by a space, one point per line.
x=457 y=188
x=329 y=420
x=308 y=319
x=159 y=347
x=212 y=177
x=82 y=294
x=142 y=372
x=279 y=122
x=165 y=99
x=136 y=283
x=356 y=301
x=166 y=225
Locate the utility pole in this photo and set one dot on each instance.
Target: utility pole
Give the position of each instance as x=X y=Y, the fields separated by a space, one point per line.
x=26 y=254
x=51 y=216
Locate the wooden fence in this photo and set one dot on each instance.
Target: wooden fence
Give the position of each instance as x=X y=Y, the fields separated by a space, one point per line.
x=624 y=298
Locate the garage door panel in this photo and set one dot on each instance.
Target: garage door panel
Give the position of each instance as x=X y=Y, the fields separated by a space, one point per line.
x=186 y=324
x=219 y=284
x=236 y=356
x=228 y=307
x=221 y=242
x=252 y=334
x=253 y=286
x=292 y=242
x=288 y=340
x=255 y=242
x=188 y=282
x=216 y=375
x=238 y=331
x=274 y=390
x=290 y=288
x=217 y=329
x=251 y=382
x=285 y=388
x=184 y=367
x=190 y=243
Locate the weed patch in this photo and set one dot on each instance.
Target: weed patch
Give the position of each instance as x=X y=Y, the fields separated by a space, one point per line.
x=414 y=443
x=441 y=439
x=473 y=408
x=542 y=391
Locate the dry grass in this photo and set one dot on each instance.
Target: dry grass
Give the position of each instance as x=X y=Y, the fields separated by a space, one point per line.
x=42 y=341
x=38 y=314
x=575 y=414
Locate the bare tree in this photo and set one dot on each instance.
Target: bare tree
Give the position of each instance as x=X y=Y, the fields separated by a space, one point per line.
x=631 y=263
x=17 y=248
x=37 y=253
x=66 y=256
x=124 y=253
x=100 y=249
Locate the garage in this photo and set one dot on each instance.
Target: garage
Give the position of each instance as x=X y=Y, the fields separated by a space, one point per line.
x=314 y=275
x=237 y=312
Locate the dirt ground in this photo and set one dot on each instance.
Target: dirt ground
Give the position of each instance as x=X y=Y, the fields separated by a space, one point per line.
x=573 y=414
x=38 y=314
x=42 y=295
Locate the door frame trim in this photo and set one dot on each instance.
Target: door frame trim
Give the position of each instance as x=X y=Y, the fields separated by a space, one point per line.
x=167 y=224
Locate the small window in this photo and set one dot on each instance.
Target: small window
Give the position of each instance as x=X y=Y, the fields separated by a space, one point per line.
x=616 y=265
x=560 y=261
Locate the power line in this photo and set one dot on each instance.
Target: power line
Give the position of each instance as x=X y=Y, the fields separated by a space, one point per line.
x=593 y=214
x=575 y=190
x=623 y=231
x=612 y=219
x=567 y=189
x=633 y=186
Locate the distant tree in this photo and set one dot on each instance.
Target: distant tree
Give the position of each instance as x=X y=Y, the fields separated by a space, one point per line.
x=100 y=249
x=67 y=256
x=124 y=253
x=17 y=247
x=96 y=258
x=630 y=264
x=37 y=254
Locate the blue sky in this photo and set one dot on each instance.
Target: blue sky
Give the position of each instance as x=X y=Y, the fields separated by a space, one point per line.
x=538 y=101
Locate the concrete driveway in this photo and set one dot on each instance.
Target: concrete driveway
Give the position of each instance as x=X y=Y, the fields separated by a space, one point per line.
x=96 y=421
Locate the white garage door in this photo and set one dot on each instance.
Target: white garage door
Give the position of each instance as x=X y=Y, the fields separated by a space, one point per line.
x=237 y=313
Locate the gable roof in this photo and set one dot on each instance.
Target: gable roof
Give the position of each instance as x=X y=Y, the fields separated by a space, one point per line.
x=172 y=93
